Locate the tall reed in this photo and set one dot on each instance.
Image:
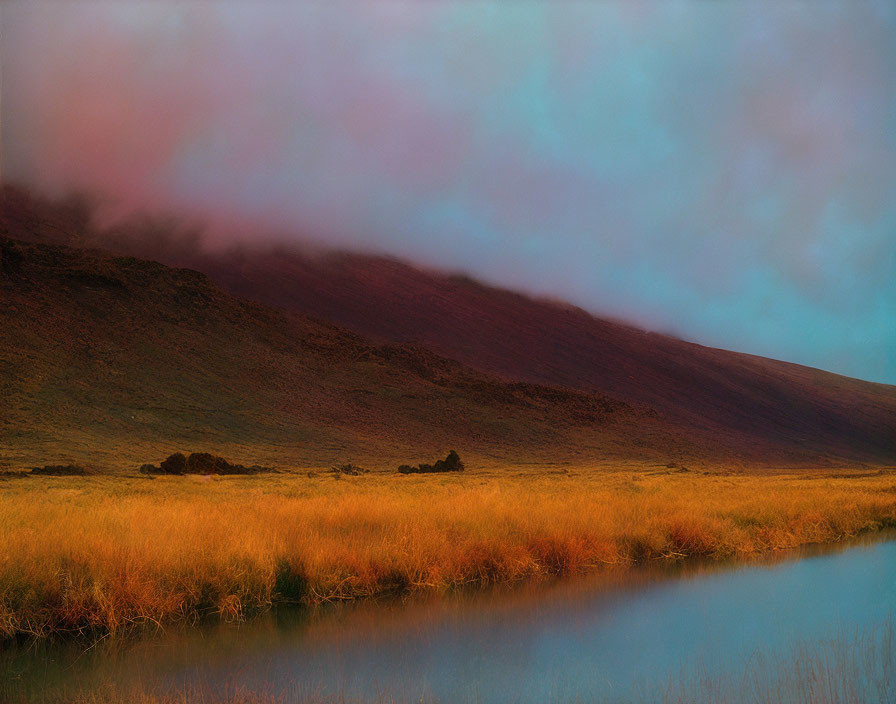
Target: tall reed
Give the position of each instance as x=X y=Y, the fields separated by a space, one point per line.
x=107 y=553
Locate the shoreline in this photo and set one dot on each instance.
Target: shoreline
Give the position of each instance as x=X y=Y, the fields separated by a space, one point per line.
x=501 y=604
x=235 y=548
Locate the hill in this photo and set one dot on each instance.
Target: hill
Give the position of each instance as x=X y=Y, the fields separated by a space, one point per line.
x=117 y=361
x=546 y=342
x=683 y=400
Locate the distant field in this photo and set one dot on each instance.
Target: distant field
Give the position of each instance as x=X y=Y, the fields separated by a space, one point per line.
x=107 y=553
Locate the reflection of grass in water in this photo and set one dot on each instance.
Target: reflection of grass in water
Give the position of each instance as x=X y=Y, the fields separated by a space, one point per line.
x=105 y=553
x=849 y=669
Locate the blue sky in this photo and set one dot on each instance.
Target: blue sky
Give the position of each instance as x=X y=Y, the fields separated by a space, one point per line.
x=722 y=171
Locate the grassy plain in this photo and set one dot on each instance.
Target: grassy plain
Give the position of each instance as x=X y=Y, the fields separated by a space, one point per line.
x=108 y=553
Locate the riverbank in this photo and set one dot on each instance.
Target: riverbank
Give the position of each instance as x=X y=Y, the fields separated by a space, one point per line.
x=107 y=554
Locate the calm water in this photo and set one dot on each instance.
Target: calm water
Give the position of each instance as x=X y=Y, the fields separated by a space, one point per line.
x=606 y=639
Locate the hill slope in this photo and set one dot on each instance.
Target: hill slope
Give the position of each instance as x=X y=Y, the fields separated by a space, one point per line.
x=725 y=403
x=119 y=361
x=518 y=337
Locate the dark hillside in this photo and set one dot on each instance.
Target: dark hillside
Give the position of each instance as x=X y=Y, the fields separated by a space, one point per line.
x=729 y=404
x=119 y=361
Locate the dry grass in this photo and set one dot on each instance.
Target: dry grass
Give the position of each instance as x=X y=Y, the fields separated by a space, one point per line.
x=106 y=553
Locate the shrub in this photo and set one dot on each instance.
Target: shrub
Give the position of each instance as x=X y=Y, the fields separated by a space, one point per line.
x=451 y=463
x=62 y=470
x=206 y=463
x=13 y=475
x=174 y=464
x=201 y=463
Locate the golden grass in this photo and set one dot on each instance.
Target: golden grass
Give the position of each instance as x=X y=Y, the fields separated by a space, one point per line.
x=110 y=552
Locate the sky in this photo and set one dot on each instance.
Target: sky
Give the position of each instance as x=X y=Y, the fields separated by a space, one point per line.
x=722 y=171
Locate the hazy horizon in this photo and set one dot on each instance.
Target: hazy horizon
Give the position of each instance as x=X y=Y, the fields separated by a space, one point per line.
x=720 y=171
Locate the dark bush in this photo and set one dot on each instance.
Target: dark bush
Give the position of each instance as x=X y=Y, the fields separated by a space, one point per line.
x=206 y=463
x=62 y=470
x=175 y=464
x=201 y=463
x=451 y=463
x=4 y=475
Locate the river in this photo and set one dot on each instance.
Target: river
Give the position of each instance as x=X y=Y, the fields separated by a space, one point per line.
x=633 y=635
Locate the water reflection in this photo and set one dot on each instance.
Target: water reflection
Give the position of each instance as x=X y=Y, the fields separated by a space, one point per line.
x=591 y=639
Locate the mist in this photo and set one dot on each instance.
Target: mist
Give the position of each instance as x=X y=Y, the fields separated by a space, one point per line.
x=723 y=171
